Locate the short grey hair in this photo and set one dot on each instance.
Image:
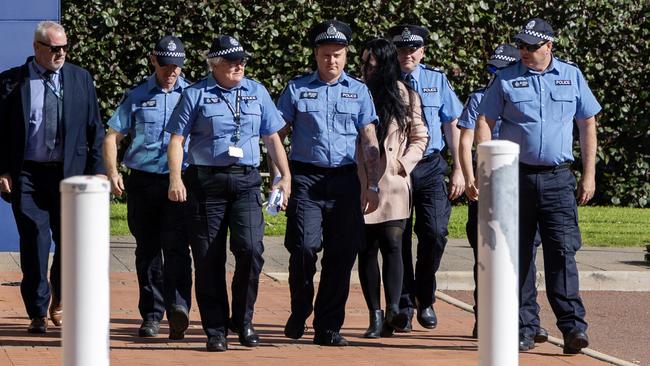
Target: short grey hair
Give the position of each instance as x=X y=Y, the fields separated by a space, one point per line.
x=213 y=61
x=40 y=34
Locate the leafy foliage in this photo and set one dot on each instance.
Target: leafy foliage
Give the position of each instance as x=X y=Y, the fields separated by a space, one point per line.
x=609 y=39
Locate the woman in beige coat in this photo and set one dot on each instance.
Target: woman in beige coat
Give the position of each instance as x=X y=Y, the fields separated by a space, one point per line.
x=402 y=139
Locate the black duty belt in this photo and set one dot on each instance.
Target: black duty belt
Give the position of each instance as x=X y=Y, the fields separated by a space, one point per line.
x=306 y=168
x=526 y=168
x=230 y=169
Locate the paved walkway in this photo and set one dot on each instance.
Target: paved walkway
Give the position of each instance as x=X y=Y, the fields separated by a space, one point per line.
x=449 y=344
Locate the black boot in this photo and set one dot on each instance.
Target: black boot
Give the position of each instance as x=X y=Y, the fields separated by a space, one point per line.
x=376 y=320
x=398 y=321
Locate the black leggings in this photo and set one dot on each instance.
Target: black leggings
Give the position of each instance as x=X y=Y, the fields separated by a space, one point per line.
x=387 y=238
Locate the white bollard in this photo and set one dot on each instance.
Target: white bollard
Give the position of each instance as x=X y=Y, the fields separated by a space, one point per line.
x=85 y=270
x=498 y=253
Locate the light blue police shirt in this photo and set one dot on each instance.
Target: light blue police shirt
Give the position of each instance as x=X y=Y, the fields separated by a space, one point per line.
x=36 y=150
x=205 y=117
x=326 y=118
x=470 y=113
x=538 y=108
x=439 y=103
x=142 y=114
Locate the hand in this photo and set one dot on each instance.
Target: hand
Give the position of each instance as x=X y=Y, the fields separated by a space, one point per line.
x=471 y=190
x=176 y=192
x=5 y=183
x=117 y=185
x=285 y=186
x=586 y=189
x=370 y=202
x=456 y=184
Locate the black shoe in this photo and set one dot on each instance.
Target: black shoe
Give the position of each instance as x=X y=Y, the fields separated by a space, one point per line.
x=386 y=330
x=179 y=320
x=408 y=328
x=475 y=330
x=398 y=321
x=330 y=338
x=575 y=341
x=149 y=328
x=248 y=336
x=541 y=335
x=376 y=322
x=294 y=328
x=217 y=344
x=38 y=325
x=526 y=343
x=427 y=317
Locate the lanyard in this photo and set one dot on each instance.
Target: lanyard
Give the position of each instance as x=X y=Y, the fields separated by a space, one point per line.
x=236 y=113
x=48 y=83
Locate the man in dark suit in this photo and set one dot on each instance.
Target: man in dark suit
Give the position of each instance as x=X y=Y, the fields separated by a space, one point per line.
x=50 y=129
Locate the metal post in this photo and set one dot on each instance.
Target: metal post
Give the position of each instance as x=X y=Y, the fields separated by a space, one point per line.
x=85 y=270
x=498 y=253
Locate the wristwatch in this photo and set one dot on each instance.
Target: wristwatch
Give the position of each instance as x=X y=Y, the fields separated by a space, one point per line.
x=374 y=189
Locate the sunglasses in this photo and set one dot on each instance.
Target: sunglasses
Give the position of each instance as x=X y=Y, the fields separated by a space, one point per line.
x=235 y=63
x=55 y=49
x=405 y=51
x=530 y=47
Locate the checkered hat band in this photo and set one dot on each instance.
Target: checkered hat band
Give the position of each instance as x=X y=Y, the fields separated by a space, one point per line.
x=227 y=51
x=537 y=34
x=324 y=35
x=503 y=58
x=412 y=38
x=168 y=54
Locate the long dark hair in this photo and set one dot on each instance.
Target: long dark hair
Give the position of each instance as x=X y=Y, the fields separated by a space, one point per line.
x=383 y=84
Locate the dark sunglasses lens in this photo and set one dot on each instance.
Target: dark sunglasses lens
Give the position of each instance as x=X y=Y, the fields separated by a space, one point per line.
x=57 y=49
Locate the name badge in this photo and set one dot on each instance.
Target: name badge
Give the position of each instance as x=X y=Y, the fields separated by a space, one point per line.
x=562 y=82
x=309 y=95
x=520 y=84
x=430 y=90
x=349 y=95
x=248 y=97
x=211 y=100
x=235 y=152
x=148 y=103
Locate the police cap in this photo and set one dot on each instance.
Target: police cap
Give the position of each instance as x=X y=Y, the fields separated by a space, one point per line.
x=330 y=31
x=169 y=51
x=535 y=31
x=227 y=47
x=504 y=55
x=406 y=35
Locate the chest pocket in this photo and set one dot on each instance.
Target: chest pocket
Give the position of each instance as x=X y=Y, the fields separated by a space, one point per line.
x=251 y=114
x=217 y=116
x=521 y=100
x=564 y=101
x=149 y=122
x=307 y=106
x=347 y=113
x=430 y=106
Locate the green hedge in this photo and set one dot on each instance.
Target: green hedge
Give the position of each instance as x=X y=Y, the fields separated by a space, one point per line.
x=609 y=39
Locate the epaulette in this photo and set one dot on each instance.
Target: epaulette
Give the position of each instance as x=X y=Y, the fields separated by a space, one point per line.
x=489 y=84
x=198 y=81
x=568 y=63
x=253 y=80
x=356 y=78
x=436 y=69
x=480 y=90
x=126 y=93
x=301 y=75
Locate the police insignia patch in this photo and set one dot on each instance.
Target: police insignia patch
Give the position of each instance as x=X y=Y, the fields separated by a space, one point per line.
x=234 y=42
x=430 y=90
x=499 y=50
x=349 y=95
x=171 y=46
x=148 y=103
x=308 y=95
x=331 y=30
x=211 y=100
x=530 y=25
x=520 y=84
x=406 y=34
x=562 y=82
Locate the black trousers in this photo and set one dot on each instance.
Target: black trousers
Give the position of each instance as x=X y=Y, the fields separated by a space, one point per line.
x=224 y=201
x=36 y=204
x=162 y=253
x=547 y=200
x=432 y=210
x=324 y=213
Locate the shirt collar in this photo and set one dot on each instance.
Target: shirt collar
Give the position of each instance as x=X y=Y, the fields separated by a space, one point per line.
x=41 y=70
x=152 y=84
x=343 y=79
x=550 y=69
x=212 y=83
x=415 y=73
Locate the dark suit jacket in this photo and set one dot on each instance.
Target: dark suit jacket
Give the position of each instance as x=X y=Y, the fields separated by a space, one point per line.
x=82 y=133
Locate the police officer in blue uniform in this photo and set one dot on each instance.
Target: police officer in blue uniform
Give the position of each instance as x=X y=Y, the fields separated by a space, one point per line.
x=162 y=254
x=504 y=55
x=224 y=115
x=538 y=99
x=328 y=111
x=441 y=108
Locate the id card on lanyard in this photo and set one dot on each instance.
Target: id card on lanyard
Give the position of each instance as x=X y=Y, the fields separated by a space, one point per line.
x=234 y=151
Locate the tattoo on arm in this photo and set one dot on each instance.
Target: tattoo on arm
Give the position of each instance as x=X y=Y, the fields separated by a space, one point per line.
x=371 y=153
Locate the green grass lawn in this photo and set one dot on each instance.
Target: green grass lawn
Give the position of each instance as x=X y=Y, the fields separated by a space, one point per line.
x=600 y=226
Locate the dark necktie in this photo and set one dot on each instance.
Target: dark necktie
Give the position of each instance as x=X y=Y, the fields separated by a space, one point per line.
x=52 y=111
x=409 y=79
